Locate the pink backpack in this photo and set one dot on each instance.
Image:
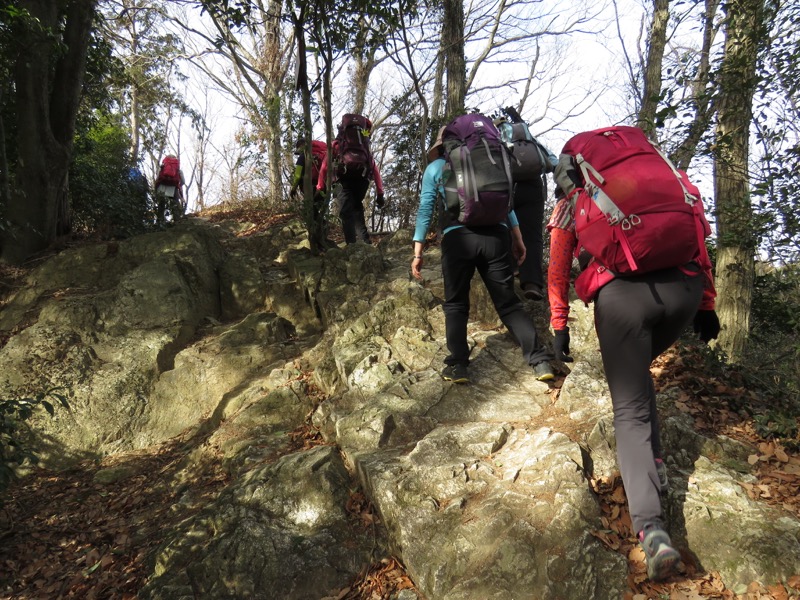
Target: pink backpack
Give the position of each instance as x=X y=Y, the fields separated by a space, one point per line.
x=635 y=212
x=319 y=152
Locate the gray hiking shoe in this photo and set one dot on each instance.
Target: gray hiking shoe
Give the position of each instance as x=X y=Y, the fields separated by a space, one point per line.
x=456 y=373
x=661 y=556
x=543 y=371
x=661 y=469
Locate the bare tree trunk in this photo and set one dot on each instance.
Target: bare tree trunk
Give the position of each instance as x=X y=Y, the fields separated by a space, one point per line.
x=455 y=62
x=526 y=92
x=736 y=243
x=651 y=93
x=134 y=123
x=48 y=84
x=701 y=97
x=135 y=105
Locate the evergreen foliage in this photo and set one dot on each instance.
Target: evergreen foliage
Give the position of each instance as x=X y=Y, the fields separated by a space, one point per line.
x=108 y=200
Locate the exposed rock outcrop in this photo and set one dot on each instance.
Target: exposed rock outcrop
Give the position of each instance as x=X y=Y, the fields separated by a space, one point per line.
x=482 y=490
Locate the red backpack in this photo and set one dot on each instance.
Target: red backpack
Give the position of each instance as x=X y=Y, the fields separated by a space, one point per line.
x=319 y=151
x=635 y=212
x=353 y=155
x=170 y=171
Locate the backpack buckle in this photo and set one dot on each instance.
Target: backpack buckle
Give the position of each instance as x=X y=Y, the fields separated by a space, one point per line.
x=631 y=221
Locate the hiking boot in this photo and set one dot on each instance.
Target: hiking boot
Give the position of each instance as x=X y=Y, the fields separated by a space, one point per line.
x=661 y=469
x=532 y=291
x=661 y=556
x=543 y=371
x=456 y=373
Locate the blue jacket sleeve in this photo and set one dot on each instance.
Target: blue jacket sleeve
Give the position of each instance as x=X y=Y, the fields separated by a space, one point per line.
x=431 y=190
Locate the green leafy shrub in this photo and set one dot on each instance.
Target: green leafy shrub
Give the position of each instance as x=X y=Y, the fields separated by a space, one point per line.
x=106 y=200
x=13 y=413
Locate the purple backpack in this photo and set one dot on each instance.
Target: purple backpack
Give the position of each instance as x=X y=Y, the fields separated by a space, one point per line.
x=477 y=174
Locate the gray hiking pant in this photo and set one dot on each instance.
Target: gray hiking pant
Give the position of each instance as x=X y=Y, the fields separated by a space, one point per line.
x=636 y=320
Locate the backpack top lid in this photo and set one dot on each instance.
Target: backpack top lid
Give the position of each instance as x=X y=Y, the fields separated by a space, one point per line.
x=468 y=129
x=170 y=170
x=353 y=120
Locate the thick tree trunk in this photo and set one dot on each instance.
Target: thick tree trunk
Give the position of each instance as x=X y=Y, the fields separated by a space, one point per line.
x=734 y=274
x=736 y=242
x=438 y=88
x=455 y=62
x=364 y=63
x=651 y=93
x=48 y=79
x=274 y=75
x=314 y=221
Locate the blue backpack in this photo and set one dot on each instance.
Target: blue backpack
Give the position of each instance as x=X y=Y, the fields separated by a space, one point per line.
x=477 y=174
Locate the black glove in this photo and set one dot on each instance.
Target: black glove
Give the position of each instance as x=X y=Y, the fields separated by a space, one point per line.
x=706 y=325
x=561 y=345
x=379 y=202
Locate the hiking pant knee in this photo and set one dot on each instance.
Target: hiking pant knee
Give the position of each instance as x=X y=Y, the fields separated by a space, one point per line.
x=529 y=206
x=354 y=225
x=636 y=320
x=485 y=249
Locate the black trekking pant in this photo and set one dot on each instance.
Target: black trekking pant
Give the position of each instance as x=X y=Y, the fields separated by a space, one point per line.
x=529 y=206
x=351 y=194
x=637 y=319
x=485 y=249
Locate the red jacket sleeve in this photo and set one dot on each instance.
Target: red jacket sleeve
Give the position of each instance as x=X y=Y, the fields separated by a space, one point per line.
x=562 y=248
x=709 y=292
x=376 y=175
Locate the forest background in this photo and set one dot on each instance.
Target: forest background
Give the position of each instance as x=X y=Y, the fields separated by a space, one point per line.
x=91 y=89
